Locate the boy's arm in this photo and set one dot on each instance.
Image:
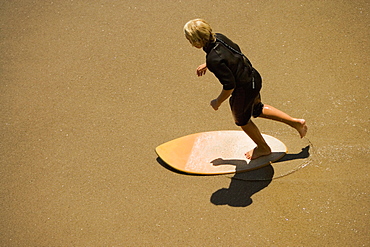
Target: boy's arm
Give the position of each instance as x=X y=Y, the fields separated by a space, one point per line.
x=221 y=98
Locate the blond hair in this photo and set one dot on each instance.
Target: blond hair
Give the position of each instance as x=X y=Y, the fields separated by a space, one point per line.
x=199 y=31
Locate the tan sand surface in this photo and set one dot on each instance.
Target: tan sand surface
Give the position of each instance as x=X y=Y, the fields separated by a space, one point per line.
x=88 y=89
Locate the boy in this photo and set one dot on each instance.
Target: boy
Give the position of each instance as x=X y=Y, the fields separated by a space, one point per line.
x=240 y=81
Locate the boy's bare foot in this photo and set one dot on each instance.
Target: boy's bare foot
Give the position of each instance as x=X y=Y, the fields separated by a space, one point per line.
x=301 y=127
x=258 y=152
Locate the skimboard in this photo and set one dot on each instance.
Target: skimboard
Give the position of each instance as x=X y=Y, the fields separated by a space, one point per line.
x=217 y=152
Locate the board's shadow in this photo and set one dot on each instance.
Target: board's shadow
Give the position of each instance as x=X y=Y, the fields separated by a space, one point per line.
x=244 y=185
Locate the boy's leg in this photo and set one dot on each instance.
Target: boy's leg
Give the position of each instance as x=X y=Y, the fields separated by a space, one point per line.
x=271 y=112
x=262 y=148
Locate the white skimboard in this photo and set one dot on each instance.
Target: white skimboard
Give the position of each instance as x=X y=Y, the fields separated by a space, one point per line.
x=217 y=152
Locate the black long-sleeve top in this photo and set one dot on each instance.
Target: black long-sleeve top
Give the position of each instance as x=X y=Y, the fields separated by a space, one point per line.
x=228 y=66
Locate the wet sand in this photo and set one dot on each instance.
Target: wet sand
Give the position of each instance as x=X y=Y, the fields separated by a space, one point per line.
x=89 y=89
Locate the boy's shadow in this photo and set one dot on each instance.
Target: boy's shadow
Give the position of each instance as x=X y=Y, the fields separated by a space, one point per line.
x=244 y=185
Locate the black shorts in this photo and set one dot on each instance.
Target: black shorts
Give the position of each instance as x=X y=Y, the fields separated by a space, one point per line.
x=245 y=101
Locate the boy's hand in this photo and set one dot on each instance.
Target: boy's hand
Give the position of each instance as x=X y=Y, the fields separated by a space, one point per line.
x=215 y=104
x=202 y=69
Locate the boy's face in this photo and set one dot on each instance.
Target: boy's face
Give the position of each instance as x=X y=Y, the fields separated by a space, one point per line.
x=195 y=44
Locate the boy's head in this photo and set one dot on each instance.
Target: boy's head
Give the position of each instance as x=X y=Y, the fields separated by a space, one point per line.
x=198 y=32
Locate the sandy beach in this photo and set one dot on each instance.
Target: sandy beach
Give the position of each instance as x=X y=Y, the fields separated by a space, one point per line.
x=88 y=89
